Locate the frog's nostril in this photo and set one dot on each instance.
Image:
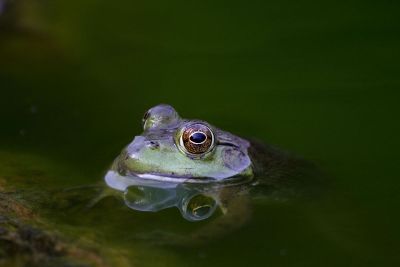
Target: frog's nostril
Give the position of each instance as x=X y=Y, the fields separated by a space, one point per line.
x=152 y=144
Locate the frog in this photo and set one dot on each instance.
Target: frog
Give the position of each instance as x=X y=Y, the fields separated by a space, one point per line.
x=200 y=169
x=173 y=149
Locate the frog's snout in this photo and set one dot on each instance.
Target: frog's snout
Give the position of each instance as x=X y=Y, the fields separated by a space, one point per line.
x=139 y=143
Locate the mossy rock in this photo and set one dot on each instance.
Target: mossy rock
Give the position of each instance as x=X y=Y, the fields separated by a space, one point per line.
x=36 y=226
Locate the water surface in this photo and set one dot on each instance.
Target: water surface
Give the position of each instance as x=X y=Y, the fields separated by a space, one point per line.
x=318 y=80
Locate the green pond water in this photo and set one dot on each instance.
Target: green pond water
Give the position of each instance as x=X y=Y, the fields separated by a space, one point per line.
x=318 y=79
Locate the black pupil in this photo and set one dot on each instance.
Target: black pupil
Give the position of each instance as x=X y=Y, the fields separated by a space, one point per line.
x=198 y=138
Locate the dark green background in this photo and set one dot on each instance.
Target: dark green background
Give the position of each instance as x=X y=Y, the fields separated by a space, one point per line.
x=316 y=78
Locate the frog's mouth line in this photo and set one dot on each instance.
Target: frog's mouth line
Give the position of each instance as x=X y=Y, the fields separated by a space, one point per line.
x=194 y=180
x=164 y=178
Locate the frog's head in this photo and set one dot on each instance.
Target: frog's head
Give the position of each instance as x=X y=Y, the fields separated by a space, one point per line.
x=175 y=149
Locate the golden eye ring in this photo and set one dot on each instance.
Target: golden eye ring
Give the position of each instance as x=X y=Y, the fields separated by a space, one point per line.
x=196 y=139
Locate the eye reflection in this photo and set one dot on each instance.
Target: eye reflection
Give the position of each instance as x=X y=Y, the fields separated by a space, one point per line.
x=201 y=211
x=198 y=207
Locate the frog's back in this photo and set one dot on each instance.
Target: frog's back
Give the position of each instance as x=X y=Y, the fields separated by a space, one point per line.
x=283 y=174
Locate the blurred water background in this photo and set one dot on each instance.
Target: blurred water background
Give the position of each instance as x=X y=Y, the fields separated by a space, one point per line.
x=319 y=79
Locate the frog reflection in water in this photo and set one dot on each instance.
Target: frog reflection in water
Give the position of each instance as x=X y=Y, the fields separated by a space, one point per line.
x=199 y=169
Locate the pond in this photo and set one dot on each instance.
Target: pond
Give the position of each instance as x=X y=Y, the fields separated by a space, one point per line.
x=318 y=80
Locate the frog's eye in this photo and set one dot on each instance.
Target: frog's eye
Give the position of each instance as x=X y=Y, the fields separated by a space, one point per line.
x=145 y=117
x=161 y=116
x=196 y=139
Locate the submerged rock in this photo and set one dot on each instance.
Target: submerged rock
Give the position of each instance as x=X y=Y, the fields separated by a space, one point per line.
x=26 y=240
x=29 y=239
